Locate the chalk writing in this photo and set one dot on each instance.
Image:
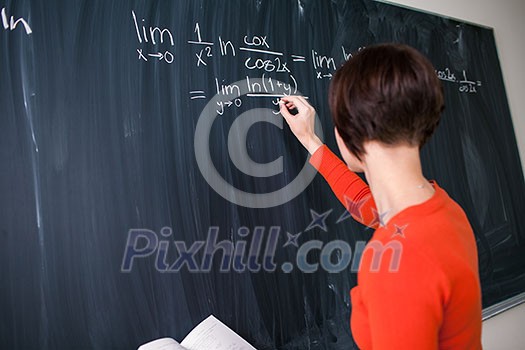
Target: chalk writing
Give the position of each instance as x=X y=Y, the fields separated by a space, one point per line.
x=206 y=52
x=465 y=85
x=468 y=85
x=323 y=65
x=200 y=58
x=446 y=75
x=195 y=94
x=227 y=89
x=349 y=55
x=221 y=104
x=261 y=51
x=154 y=35
x=11 y=24
x=321 y=61
x=225 y=45
x=257 y=41
x=267 y=65
x=258 y=55
x=231 y=94
x=298 y=58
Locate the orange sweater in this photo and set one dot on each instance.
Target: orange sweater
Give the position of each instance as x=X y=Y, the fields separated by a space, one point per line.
x=418 y=282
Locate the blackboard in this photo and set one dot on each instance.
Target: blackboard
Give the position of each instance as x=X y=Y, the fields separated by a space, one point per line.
x=100 y=105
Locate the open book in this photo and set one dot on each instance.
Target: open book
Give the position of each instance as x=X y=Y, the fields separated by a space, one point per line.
x=210 y=334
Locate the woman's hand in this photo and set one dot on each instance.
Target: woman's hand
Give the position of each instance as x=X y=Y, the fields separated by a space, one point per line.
x=302 y=124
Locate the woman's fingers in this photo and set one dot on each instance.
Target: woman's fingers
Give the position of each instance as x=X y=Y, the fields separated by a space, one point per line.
x=289 y=105
x=301 y=124
x=285 y=112
x=286 y=106
x=303 y=100
x=299 y=104
x=297 y=100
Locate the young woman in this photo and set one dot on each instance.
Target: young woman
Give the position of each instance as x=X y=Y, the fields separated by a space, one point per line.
x=386 y=102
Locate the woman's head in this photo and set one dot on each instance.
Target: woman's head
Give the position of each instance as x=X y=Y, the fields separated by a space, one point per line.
x=387 y=93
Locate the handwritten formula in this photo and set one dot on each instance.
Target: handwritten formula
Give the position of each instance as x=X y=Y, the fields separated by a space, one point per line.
x=465 y=85
x=256 y=55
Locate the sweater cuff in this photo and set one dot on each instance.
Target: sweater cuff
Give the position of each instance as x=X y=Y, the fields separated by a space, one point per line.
x=317 y=157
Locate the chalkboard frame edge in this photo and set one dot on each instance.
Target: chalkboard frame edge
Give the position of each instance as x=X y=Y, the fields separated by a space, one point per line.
x=503 y=306
x=388 y=2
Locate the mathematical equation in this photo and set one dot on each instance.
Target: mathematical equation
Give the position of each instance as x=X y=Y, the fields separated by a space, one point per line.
x=257 y=56
x=255 y=44
x=232 y=94
x=465 y=85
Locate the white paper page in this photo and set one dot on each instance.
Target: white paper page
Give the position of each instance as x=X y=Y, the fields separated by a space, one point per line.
x=162 y=344
x=212 y=334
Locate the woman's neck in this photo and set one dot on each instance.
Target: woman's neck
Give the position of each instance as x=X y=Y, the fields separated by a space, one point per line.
x=395 y=178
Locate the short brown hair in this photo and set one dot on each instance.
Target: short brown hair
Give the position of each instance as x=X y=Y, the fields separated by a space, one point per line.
x=388 y=93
